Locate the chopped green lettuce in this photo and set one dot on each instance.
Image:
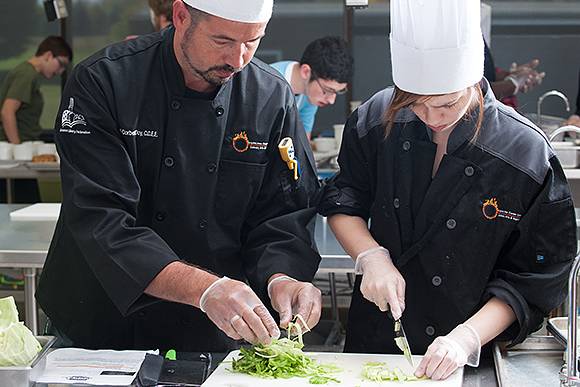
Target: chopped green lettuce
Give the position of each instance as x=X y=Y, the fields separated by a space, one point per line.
x=284 y=358
x=18 y=345
x=378 y=371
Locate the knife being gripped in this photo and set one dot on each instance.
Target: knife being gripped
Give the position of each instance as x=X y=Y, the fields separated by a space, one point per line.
x=401 y=340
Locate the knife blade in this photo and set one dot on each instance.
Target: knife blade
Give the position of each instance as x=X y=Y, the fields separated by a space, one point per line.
x=402 y=342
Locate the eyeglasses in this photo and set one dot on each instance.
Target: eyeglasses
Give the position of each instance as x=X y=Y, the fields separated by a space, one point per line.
x=60 y=62
x=326 y=90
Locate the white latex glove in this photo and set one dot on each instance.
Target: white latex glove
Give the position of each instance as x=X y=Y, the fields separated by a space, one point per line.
x=290 y=297
x=236 y=310
x=524 y=77
x=447 y=353
x=381 y=282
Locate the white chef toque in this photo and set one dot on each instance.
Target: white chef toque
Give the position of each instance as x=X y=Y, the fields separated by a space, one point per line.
x=436 y=45
x=245 y=11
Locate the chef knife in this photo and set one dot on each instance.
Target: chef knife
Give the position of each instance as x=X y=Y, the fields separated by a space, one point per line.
x=401 y=340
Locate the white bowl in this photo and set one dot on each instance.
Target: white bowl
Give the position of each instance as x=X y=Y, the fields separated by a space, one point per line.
x=325 y=144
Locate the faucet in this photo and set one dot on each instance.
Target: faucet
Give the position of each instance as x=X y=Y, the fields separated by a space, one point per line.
x=569 y=374
x=541 y=99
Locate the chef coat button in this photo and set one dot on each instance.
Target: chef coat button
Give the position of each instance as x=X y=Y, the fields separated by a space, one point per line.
x=469 y=171
x=436 y=280
x=210 y=168
x=219 y=111
x=396 y=203
x=406 y=145
x=185 y=321
x=451 y=224
x=430 y=331
x=175 y=105
x=202 y=224
x=169 y=161
x=160 y=216
x=142 y=313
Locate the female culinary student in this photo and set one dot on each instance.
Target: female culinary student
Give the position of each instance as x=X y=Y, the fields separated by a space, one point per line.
x=456 y=208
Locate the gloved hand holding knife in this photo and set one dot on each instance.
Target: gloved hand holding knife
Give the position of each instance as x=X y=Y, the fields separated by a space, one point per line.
x=384 y=285
x=381 y=283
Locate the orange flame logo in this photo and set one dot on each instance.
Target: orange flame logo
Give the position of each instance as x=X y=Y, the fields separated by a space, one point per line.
x=240 y=142
x=490 y=209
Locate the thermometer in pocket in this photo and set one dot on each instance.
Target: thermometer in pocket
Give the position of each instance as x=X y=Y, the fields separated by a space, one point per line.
x=286 y=149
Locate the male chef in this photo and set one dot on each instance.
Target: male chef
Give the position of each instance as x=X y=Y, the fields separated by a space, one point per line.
x=176 y=194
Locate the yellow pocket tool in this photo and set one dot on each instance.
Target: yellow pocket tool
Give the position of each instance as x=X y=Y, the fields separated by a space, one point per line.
x=286 y=149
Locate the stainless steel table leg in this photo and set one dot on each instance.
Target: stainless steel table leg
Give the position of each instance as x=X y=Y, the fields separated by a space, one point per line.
x=9 y=191
x=30 y=317
x=333 y=300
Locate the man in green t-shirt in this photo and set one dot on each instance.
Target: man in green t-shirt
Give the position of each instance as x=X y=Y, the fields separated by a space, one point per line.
x=20 y=96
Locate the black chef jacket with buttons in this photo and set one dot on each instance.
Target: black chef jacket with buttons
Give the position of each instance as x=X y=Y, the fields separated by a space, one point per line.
x=496 y=220
x=151 y=177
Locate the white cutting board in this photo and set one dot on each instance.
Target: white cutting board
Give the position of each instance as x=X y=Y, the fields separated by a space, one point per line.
x=38 y=211
x=352 y=376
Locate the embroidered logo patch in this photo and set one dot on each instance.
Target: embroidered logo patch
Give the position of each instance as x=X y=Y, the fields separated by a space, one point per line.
x=491 y=211
x=70 y=118
x=241 y=143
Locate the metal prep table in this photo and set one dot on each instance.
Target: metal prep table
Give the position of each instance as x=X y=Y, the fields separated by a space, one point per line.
x=23 y=172
x=24 y=244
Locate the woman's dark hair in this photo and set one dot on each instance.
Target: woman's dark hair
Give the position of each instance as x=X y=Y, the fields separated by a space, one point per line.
x=404 y=99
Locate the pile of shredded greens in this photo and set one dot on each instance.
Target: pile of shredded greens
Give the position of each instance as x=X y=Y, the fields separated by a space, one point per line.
x=379 y=372
x=284 y=358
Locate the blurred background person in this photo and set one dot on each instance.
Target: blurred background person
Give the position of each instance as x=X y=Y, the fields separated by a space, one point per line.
x=161 y=15
x=22 y=104
x=506 y=84
x=323 y=73
x=21 y=98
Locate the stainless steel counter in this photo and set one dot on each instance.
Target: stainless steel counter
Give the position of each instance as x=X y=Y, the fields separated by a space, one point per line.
x=483 y=376
x=21 y=171
x=24 y=244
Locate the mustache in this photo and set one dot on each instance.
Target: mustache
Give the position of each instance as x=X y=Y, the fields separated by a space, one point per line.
x=226 y=68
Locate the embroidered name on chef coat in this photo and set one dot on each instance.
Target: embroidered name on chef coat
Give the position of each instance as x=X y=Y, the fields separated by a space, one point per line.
x=491 y=211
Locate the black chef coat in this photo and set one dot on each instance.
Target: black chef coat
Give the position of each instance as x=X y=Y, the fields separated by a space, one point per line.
x=496 y=220
x=151 y=177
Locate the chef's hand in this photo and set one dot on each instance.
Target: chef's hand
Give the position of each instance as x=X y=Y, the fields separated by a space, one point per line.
x=237 y=311
x=381 y=282
x=290 y=297
x=447 y=353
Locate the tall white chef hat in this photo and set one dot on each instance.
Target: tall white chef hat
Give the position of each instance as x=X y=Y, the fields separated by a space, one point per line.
x=436 y=45
x=245 y=11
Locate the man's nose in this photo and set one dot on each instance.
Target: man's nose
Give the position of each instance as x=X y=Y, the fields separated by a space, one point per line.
x=237 y=56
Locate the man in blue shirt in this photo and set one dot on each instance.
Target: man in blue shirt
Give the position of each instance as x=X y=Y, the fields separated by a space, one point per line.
x=323 y=72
